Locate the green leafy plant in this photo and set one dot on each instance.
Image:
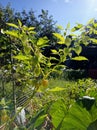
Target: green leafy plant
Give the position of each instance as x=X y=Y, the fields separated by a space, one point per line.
x=28 y=70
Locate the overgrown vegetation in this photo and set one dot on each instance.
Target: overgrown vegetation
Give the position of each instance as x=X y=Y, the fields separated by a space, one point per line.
x=28 y=79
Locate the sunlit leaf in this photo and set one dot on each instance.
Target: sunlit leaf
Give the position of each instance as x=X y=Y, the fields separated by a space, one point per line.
x=53 y=58
x=90 y=21
x=42 y=41
x=21 y=57
x=31 y=28
x=93 y=40
x=32 y=32
x=77 y=27
x=60 y=37
x=20 y=23
x=73 y=35
x=73 y=29
x=25 y=28
x=60 y=42
x=79 y=58
x=95 y=24
x=68 y=41
x=95 y=32
x=13 y=33
x=54 y=51
x=12 y=25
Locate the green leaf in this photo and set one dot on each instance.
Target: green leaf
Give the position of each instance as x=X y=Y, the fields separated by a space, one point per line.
x=42 y=41
x=25 y=28
x=95 y=25
x=63 y=58
x=32 y=32
x=73 y=35
x=67 y=51
x=57 y=112
x=60 y=38
x=12 y=25
x=13 y=33
x=54 y=51
x=31 y=28
x=78 y=118
x=21 y=57
x=27 y=49
x=85 y=39
x=93 y=40
x=90 y=21
x=93 y=112
x=78 y=49
x=56 y=89
x=95 y=31
x=73 y=29
x=68 y=41
x=53 y=58
x=20 y=23
x=37 y=119
x=77 y=27
x=79 y=58
x=40 y=120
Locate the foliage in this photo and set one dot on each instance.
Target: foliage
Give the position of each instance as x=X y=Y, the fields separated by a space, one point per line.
x=64 y=107
x=43 y=23
x=75 y=117
x=88 y=42
x=29 y=70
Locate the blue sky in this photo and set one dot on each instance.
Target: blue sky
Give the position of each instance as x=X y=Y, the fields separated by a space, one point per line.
x=63 y=11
